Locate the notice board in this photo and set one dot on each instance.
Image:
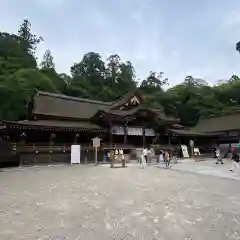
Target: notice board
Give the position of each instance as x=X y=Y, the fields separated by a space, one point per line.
x=75 y=154
x=185 y=151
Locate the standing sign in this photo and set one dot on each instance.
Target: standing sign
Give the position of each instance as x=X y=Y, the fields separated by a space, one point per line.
x=185 y=151
x=96 y=145
x=75 y=154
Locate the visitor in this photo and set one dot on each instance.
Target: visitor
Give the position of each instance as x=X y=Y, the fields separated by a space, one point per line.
x=235 y=162
x=108 y=156
x=218 y=156
x=143 y=160
x=121 y=155
x=145 y=153
x=149 y=155
x=167 y=159
x=116 y=152
x=161 y=159
x=112 y=158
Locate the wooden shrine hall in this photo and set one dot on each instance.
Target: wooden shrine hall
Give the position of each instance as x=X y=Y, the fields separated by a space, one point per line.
x=56 y=121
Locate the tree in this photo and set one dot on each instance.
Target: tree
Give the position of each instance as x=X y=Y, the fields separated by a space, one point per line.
x=91 y=66
x=152 y=89
x=238 y=47
x=113 y=64
x=155 y=81
x=88 y=76
x=12 y=54
x=47 y=62
x=17 y=91
x=28 y=40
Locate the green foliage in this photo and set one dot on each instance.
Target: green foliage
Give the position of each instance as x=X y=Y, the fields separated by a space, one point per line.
x=105 y=80
x=29 y=41
x=47 y=61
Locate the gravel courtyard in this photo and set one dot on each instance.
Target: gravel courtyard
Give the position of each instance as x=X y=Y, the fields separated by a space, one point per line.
x=87 y=202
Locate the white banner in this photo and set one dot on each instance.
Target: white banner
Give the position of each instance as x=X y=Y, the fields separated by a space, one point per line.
x=185 y=151
x=75 y=154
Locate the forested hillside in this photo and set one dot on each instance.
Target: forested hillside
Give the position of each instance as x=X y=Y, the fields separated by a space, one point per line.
x=101 y=79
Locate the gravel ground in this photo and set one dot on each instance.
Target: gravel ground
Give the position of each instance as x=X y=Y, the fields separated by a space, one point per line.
x=91 y=203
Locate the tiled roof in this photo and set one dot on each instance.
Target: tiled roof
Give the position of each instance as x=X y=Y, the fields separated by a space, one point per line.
x=228 y=122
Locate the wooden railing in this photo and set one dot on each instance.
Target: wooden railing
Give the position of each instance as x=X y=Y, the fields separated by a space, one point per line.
x=45 y=148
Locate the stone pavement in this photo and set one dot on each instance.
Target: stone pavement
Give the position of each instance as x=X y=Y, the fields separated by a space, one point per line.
x=91 y=203
x=207 y=167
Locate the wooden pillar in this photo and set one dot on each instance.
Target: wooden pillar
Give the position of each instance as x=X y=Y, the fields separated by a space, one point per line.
x=125 y=131
x=169 y=138
x=191 y=146
x=22 y=144
x=76 y=137
x=144 y=137
x=51 y=142
x=110 y=131
x=158 y=138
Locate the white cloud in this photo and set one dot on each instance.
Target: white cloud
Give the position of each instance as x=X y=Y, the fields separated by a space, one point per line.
x=50 y=4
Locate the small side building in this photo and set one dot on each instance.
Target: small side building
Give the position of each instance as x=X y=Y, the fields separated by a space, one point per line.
x=226 y=126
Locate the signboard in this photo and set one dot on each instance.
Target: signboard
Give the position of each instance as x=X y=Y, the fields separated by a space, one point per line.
x=185 y=151
x=96 y=145
x=96 y=142
x=75 y=154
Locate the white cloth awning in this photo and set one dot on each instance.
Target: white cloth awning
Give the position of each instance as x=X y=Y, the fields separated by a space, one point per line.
x=149 y=132
x=118 y=130
x=135 y=131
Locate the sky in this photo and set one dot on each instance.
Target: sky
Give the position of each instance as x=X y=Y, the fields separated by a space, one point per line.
x=177 y=37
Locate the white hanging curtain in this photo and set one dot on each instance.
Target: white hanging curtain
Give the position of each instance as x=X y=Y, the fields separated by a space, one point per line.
x=149 y=132
x=118 y=130
x=135 y=131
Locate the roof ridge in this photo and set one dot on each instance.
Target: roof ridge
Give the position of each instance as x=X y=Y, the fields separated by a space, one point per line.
x=121 y=99
x=63 y=96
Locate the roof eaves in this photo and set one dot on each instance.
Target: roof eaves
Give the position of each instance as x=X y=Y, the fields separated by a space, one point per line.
x=56 y=95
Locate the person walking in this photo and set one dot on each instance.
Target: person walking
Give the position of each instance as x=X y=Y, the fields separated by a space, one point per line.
x=161 y=159
x=167 y=159
x=218 y=156
x=112 y=158
x=121 y=153
x=235 y=162
x=145 y=153
x=143 y=159
x=116 y=152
